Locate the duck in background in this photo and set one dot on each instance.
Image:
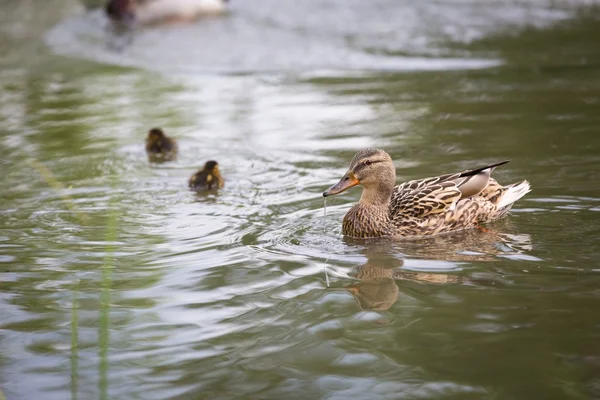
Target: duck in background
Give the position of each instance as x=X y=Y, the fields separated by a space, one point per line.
x=207 y=178
x=159 y=146
x=148 y=12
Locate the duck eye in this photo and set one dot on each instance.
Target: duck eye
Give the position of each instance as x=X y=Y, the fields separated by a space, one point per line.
x=368 y=162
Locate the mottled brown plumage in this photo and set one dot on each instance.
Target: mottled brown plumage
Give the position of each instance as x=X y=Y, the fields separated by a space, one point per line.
x=421 y=207
x=207 y=178
x=159 y=146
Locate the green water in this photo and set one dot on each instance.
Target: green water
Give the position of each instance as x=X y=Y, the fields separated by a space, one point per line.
x=117 y=282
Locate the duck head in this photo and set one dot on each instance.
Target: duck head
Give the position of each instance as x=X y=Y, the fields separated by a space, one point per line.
x=374 y=170
x=212 y=168
x=155 y=134
x=121 y=10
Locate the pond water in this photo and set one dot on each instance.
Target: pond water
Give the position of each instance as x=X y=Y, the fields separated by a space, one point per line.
x=117 y=282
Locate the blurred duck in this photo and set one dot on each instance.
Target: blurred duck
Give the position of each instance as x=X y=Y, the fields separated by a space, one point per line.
x=159 y=146
x=147 y=12
x=207 y=178
x=421 y=207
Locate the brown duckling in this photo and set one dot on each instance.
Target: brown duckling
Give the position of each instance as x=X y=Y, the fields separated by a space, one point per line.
x=159 y=146
x=207 y=178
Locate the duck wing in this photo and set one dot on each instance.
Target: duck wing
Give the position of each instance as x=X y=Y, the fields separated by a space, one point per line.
x=424 y=197
x=473 y=181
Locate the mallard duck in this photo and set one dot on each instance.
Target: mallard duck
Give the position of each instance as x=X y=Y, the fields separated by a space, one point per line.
x=207 y=178
x=422 y=207
x=159 y=146
x=146 y=12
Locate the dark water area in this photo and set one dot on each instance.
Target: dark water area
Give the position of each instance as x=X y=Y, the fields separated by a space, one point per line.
x=118 y=282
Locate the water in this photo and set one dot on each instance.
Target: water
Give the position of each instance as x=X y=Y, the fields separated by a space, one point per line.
x=118 y=282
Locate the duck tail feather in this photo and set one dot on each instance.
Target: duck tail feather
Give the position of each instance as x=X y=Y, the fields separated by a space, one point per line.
x=513 y=193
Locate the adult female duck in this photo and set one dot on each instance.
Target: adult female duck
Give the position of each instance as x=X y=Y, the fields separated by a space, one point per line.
x=421 y=207
x=147 y=12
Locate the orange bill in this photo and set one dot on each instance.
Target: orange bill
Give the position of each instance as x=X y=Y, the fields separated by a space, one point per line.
x=345 y=183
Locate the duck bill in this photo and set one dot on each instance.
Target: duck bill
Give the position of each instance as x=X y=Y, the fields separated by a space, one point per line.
x=348 y=181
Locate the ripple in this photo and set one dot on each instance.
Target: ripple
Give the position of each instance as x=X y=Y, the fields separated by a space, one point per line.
x=249 y=291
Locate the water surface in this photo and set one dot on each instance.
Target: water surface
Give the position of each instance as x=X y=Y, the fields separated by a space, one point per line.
x=117 y=282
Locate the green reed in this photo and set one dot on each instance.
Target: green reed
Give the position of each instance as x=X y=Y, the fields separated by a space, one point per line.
x=74 y=341
x=107 y=268
x=55 y=184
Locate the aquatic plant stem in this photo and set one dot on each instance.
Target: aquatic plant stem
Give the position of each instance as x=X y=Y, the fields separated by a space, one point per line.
x=74 y=341
x=108 y=266
x=60 y=188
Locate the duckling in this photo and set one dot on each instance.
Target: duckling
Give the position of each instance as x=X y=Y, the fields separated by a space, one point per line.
x=207 y=178
x=159 y=146
x=422 y=207
x=147 y=12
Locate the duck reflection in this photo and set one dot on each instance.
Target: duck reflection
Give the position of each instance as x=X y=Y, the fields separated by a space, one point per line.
x=377 y=288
